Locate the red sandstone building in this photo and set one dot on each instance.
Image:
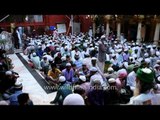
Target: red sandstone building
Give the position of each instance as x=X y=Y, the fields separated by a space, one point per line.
x=42 y=23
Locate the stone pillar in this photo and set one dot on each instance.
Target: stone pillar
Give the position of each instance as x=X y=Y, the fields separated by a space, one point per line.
x=12 y=27
x=107 y=17
x=94 y=28
x=139 y=37
x=118 y=30
x=107 y=29
x=156 y=33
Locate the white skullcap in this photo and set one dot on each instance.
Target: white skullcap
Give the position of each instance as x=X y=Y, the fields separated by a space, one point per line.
x=158 y=78
x=8 y=73
x=111 y=80
x=66 y=47
x=18 y=84
x=94 y=58
x=94 y=69
x=157 y=53
x=156 y=65
x=3 y=102
x=91 y=45
x=92 y=48
x=137 y=43
x=44 y=53
x=125 y=64
x=86 y=40
x=50 y=59
x=130 y=58
x=145 y=54
x=86 y=54
x=110 y=69
x=135 y=56
x=95 y=81
x=77 y=45
x=48 y=45
x=119 y=50
x=103 y=36
x=147 y=60
x=34 y=54
x=63 y=58
x=73 y=99
x=68 y=64
x=62 y=79
x=149 y=46
x=154 y=46
x=57 y=49
x=125 y=49
x=158 y=61
x=84 y=63
x=113 y=55
x=82 y=77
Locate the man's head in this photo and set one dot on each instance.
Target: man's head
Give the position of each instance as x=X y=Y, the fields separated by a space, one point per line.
x=53 y=66
x=68 y=66
x=93 y=70
x=23 y=99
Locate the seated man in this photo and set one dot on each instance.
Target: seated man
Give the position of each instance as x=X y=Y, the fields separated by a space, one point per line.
x=53 y=74
x=23 y=99
x=63 y=90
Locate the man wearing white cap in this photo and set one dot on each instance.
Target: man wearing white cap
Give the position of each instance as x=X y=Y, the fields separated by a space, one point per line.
x=85 y=85
x=96 y=94
x=36 y=61
x=87 y=60
x=68 y=72
x=75 y=52
x=18 y=90
x=110 y=73
x=74 y=99
x=63 y=90
x=157 y=69
x=95 y=75
x=111 y=95
x=131 y=78
x=102 y=54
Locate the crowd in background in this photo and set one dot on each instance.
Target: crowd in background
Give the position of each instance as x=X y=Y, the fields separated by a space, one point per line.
x=93 y=70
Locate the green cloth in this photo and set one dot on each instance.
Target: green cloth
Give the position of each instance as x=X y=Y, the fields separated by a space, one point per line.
x=130 y=68
x=145 y=77
x=107 y=65
x=130 y=51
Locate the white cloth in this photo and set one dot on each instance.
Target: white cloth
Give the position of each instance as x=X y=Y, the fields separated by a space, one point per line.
x=146 y=99
x=97 y=76
x=19 y=37
x=73 y=54
x=73 y=99
x=48 y=57
x=131 y=80
x=88 y=62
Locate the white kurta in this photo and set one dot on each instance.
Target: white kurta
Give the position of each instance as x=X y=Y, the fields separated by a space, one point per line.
x=146 y=99
x=131 y=80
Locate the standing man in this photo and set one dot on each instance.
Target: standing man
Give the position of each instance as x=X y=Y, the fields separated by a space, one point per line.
x=16 y=38
x=102 y=53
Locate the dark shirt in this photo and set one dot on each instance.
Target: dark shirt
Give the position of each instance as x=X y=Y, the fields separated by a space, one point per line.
x=111 y=97
x=95 y=97
x=62 y=92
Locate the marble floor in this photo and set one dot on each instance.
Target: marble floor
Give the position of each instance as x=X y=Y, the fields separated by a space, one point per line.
x=30 y=85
